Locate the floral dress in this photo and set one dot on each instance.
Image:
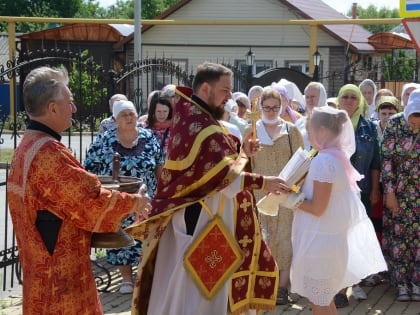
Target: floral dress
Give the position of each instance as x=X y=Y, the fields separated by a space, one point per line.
x=162 y=131
x=400 y=174
x=139 y=161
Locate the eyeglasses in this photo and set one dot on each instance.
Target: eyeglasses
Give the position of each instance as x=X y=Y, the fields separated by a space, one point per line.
x=352 y=97
x=271 y=109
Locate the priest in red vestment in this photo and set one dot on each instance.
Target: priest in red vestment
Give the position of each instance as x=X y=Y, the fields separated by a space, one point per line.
x=56 y=205
x=204 y=178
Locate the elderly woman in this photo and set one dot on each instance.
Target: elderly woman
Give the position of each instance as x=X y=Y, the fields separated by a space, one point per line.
x=400 y=177
x=315 y=96
x=140 y=157
x=406 y=91
x=369 y=89
x=365 y=159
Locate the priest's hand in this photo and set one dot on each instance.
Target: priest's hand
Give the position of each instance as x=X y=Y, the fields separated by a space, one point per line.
x=275 y=185
x=250 y=146
x=144 y=200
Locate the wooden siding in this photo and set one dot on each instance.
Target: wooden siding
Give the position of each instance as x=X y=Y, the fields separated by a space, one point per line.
x=279 y=44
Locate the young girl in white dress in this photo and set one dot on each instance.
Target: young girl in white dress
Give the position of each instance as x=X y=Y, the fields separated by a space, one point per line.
x=334 y=242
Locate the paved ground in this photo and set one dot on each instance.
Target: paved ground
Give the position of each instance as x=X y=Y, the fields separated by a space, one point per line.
x=381 y=300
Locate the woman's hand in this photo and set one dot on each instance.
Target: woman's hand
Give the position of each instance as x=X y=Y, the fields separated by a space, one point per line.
x=374 y=196
x=391 y=202
x=275 y=185
x=144 y=200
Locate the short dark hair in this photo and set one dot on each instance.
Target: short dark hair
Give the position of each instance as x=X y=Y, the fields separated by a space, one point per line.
x=210 y=73
x=158 y=98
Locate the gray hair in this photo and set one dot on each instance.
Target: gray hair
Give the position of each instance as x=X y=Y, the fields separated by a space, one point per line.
x=42 y=86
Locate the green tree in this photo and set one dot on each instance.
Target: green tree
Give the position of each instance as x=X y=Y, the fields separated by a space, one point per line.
x=373 y=12
x=85 y=70
x=91 y=9
x=38 y=8
x=149 y=9
x=64 y=9
x=400 y=65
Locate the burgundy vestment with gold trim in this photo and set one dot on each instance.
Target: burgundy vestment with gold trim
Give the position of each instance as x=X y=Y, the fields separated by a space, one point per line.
x=202 y=160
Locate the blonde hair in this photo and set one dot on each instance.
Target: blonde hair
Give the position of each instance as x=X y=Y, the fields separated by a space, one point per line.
x=332 y=120
x=270 y=93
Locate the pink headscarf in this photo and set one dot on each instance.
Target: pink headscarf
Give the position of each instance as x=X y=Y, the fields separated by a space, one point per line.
x=283 y=91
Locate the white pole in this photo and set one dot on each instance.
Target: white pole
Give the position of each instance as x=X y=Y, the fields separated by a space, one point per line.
x=137 y=50
x=137 y=30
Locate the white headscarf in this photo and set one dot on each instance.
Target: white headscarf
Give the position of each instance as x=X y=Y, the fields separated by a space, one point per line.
x=122 y=105
x=405 y=88
x=322 y=101
x=293 y=91
x=243 y=98
x=372 y=106
x=413 y=105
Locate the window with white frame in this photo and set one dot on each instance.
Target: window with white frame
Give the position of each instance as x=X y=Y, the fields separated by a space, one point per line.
x=301 y=66
x=259 y=66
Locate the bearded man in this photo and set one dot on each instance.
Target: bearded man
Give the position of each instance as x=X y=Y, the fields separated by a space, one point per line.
x=203 y=178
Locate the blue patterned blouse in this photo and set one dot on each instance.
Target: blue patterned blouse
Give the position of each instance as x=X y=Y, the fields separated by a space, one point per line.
x=139 y=161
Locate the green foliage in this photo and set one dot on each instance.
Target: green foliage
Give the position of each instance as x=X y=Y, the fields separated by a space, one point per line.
x=400 y=65
x=83 y=77
x=124 y=9
x=374 y=12
x=91 y=9
x=6 y=155
x=21 y=121
x=38 y=8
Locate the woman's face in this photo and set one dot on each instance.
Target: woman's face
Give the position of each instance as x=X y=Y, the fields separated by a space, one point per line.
x=313 y=135
x=271 y=108
x=161 y=113
x=385 y=113
x=311 y=97
x=126 y=119
x=318 y=137
x=407 y=92
x=414 y=122
x=368 y=92
x=349 y=102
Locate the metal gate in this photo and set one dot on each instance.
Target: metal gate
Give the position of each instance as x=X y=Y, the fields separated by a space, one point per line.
x=91 y=86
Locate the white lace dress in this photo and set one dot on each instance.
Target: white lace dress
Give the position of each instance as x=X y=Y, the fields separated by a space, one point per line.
x=339 y=248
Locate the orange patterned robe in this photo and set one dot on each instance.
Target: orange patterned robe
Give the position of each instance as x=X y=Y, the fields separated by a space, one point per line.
x=45 y=176
x=203 y=160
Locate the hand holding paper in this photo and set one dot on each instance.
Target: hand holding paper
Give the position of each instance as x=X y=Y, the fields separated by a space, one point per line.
x=269 y=205
x=293 y=173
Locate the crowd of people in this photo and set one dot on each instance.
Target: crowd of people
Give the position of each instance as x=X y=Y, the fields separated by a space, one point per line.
x=206 y=155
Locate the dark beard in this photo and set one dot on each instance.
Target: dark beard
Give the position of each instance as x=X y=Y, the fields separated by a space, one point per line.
x=217 y=112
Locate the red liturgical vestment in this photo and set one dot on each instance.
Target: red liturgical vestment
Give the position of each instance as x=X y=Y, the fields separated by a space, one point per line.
x=45 y=176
